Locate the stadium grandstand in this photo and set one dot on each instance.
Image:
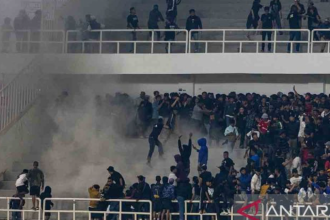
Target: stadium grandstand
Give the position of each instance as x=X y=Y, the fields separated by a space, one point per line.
x=164 y=109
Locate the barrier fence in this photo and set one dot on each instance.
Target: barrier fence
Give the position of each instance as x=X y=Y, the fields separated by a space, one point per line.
x=122 y=209
x=6 y=212
x=148 y=41
x=19 y=94
x=323 y=36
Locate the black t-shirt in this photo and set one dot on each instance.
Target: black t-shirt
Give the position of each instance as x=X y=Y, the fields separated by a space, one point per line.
x=157 y=129
x=227 y=163
x=294 y=20
x=116 y=176
x=267 y=21
x=205 y=176
x=255 y=8
x=133 y=21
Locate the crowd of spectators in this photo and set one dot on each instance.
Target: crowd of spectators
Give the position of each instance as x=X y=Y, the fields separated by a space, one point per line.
x=285 y=138
x=271 y=19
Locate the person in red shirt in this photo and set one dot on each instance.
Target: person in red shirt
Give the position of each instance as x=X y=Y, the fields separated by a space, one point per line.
x=263 y=127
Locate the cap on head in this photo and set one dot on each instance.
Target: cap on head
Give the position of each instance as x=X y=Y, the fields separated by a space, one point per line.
x=264 y=116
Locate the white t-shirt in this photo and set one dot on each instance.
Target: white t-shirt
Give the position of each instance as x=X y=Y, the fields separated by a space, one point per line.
x=296 y=164
x=173 y=176
x=295 y=180
x=21 y=179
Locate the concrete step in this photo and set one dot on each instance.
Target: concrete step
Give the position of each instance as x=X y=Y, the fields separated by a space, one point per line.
x=7 y=192
x=11 y=175
x=7 y=185
x=19 y=166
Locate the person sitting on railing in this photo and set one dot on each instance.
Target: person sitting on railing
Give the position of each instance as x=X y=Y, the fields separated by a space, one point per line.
x=324 y=35
x=267 y=22
x=22 y=182
x=6 y=29
x=133 y=23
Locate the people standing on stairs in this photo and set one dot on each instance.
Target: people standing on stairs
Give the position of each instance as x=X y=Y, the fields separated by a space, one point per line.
x=133 y=23
x=276 y=11
x=17 y=203
x=325 y=36
x=294 y=18
x=37 y=181
x=170 y=35
x=253 y=18
x=185 y=152
x=313 y=19
x=22 y=182
x=194 y=22
x=154 y=141
x=172 y=10
x=155 y=16
x=203 y=153
x=48 y=204
x=267 y=22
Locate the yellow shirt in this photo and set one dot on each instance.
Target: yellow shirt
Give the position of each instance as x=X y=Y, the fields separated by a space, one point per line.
x=263 y=189
x=93 y=194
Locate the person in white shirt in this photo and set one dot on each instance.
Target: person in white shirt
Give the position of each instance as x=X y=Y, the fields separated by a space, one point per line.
x=295 y=179
x=173 y=175
x=256 y=182
x=253 y=131
x=302 y=126
x=21 y=182
x=296 y=164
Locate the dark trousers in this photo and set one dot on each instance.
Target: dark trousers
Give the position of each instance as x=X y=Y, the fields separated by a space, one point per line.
x=296 y=36
x=152 y=143
x=267 y=34
x=16 y=215
x=151 y=26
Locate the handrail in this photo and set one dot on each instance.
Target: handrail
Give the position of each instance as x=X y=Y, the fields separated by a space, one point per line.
x=64 y=39
x=323 y=42
x=21 y=211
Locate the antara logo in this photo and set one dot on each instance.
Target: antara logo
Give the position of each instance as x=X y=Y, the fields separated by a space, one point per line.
x=253 y=204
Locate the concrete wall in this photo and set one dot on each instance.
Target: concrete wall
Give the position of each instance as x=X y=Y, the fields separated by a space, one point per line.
x=193 y=84
x=172 y=64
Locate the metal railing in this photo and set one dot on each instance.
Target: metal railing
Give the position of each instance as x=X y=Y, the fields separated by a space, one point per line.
x=77 y=208
x=235 y=37
x=101 y=41
x=24 y=213
x=76 y=211
x=19 y=94
x=324 y=42
x=119 y=41
x=33 y=41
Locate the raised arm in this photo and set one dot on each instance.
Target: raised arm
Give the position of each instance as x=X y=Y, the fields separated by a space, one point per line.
x=180 y=146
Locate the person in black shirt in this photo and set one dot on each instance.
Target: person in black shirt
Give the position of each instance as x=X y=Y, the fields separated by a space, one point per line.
x=204 y=177
x=194 y=22
x=133 y=23
x=267 y=22
x=170 y=35
x=171 y=11
x=295 y=23
x=154 y=17
x=153 y=139
x=116 y=177
x=185 y=152
x=253 y=18
x=313 y=19
x=276 y=11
